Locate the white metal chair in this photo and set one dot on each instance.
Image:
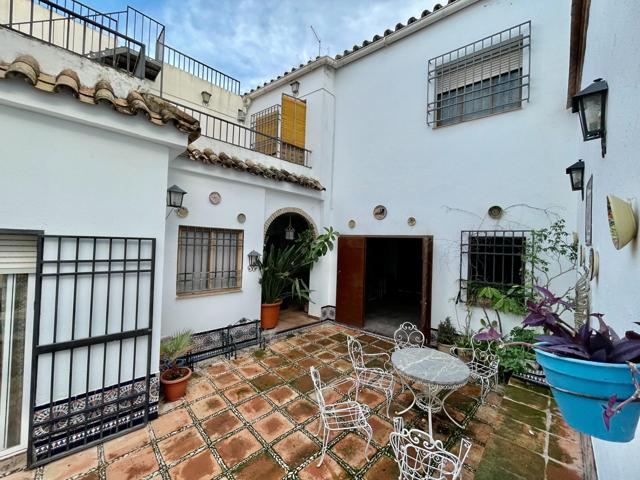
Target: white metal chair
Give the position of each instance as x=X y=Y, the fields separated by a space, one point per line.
x=408 y=336
x=376 y=378
x=339 y=416
x=484 y=365
x=420 y=457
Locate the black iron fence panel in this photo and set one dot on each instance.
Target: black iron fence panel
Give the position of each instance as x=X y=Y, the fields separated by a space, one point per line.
x=91 y=359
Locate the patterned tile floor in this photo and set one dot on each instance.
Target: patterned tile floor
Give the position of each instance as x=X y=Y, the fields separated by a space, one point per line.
x=255 y=416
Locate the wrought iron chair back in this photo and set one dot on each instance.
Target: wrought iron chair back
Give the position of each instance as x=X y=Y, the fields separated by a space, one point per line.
x=408 y=336
x=356 y=354
x=420 y=457
x=484 y=365
x=317 y=384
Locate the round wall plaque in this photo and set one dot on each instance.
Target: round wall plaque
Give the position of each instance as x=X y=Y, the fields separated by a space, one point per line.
x=352 y=223
x=411 y=221
x=242 y=218
x=215 y=198
x=182 y=212
x=495 y=212
x=380 y=212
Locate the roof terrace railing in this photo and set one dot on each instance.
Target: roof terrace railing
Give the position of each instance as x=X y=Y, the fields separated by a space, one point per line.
x=94 y=34
x=198 y=69
x=229 y=132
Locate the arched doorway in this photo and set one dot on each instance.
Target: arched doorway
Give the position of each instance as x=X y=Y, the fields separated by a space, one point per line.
x=282 y=229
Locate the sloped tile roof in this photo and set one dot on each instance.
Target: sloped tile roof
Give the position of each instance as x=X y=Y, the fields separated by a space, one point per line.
x=154 y=108
x=355 y=48
x=208 y=157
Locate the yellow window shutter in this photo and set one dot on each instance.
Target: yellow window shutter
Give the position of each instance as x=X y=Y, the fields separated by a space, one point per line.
x=294 y=121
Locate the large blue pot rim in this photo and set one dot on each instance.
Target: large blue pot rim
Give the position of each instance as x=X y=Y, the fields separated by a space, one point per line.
x=577 y=360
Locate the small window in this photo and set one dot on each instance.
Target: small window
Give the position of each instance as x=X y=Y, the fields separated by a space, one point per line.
x=480 y=79
x=209 y=260
x=493 y=259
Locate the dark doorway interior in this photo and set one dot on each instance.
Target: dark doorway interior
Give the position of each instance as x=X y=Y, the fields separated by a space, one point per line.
x=393 y=285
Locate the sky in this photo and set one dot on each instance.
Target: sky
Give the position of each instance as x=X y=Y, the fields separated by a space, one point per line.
x=254 y=40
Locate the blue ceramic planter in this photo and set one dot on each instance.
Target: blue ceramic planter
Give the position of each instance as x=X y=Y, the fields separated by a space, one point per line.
x=591 y=384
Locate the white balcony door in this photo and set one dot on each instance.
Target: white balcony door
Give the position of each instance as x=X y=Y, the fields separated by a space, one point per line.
x=16 y=313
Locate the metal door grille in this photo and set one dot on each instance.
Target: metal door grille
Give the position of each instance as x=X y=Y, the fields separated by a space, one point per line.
x=91 y=361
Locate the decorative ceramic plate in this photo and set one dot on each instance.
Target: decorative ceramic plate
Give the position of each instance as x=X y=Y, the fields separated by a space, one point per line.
x=380 y=212
x=215 y=198
x=411 y=221
x=352 y=223
x=242 y=218
x=495 y=212
x=182 y=212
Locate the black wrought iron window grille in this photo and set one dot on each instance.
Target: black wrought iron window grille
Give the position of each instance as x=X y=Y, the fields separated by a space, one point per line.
x=480 y=79
x=209 y=260
x=499 y=259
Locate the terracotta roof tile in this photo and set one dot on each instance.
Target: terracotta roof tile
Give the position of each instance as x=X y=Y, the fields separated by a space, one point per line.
x=208 y=157
x=355 y=48
x=156 y=110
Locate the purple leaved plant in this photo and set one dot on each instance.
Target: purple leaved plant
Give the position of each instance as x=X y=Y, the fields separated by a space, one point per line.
x=585 y=343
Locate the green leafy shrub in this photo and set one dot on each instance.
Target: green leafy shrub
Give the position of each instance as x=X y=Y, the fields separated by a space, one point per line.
x=447 y=333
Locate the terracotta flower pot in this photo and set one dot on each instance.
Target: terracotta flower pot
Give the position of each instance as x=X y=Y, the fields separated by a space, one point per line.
x=444 y=347
x=175 y=389
x=269 y=313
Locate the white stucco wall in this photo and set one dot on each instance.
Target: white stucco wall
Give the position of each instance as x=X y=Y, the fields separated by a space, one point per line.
x=447 y=178
x=75 y=169
x=612 y=35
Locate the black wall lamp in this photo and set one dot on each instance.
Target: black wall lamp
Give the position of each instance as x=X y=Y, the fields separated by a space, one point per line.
x=175 y=195
x=576 y=174
x=591 y=104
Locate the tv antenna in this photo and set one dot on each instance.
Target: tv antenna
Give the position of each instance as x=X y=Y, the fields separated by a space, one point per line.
x=318 y=39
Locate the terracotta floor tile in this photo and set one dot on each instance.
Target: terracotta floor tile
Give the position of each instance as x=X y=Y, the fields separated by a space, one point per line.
x=273 y=426
x=280 y=347
x=312 y=337
x=313 y=429
x=329 y=470
x=303 y=384
x=311 y=348
x=266 y=382
x=254 y=408
x=22 y=475
x=289 y=372
x=72 y=465
x=125 y=444
x=307 y=363
x=339 y=337
x=237 y=447
x=327 y=356
x=295 y=448
x=557 y=471
x=218 y=426
x=263 y=467
x=294 y=354
x=226 y=380
x=381 y=429
x=325 y=342
x=282 y=395
x=371 y=398
x=199 y=467
x=217 y=369
x=170 y=422
x=302 y=409
x=180 y=444
x=198 y=390
x=385 y=468
x=133 y=467
x=251 y=371
x=341 y=349
x=351 y=449
x=208 y=406
x=239 y=392
x=274 y=361
x=93 y=475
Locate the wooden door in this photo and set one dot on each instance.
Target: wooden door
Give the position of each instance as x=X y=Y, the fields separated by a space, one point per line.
x=427 y=278
x=350 y=284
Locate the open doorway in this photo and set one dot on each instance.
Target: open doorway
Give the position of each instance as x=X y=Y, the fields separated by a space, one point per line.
x=383 y=282
x=393 y=283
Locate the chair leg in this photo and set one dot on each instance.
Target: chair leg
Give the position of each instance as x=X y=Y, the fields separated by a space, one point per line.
x=320 y=425
x=369 y=432
x=357 y=388
x=389 y=394
x=325 y=440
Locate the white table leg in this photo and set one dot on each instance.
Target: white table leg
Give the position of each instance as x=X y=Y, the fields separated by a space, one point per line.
x=413 y=402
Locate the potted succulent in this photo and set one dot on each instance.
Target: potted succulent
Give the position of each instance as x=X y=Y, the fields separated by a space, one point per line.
x=447 y=335
x=174 y=376
x=588 y=369
x=279 y=271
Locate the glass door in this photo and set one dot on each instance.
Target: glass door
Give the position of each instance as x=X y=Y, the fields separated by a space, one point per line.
x=14 y=314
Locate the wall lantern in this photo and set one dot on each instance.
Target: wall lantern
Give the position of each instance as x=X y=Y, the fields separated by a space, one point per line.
x=295 y=87
x=289 y=232
x=254 y=258
x=576 y=174
x=206 y=96
x=175 y=196
x=591 y=103
x=242 y=115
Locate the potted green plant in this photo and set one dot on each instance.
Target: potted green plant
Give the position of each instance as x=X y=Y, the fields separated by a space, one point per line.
x=279 y=271
x=589 y=370
x=447 y=335
x=174 y=376
x=514 y=357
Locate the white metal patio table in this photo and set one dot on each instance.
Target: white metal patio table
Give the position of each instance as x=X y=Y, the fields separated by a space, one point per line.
x=435 y=372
